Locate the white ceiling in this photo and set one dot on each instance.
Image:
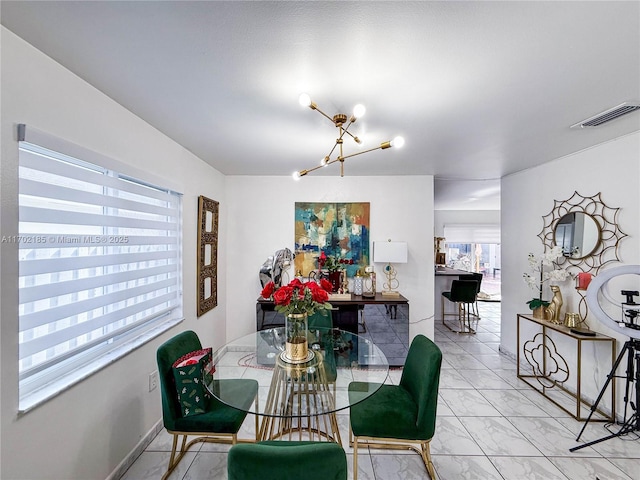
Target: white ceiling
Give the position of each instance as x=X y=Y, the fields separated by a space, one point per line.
x=478 y=90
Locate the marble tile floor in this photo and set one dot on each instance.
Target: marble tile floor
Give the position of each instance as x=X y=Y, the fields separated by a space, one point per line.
x=490 y=426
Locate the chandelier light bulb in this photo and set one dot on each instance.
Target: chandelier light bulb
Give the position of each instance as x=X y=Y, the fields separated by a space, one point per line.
x=397 y=142
x=305 y=100
x=324 y=162
x=296 y=176
x=359 y=110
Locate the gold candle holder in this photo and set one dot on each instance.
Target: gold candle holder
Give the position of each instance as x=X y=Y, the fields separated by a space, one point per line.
x=572 y=320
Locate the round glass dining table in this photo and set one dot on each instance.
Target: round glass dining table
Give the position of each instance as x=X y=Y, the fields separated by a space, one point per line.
x=302 y=397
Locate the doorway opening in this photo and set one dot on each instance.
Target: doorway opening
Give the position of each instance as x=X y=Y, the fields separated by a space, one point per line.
x=477 y=257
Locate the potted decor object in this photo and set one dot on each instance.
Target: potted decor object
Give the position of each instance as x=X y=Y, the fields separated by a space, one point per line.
x=536 y=280
x=334 y=267
x=297 y=301
x=537 y=306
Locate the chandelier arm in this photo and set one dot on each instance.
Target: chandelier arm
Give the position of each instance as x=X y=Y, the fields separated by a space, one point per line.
x=338 y=142
x=306 y=171
x=342 y=132
x=315 y=107
x=381 y=146
x=341 y=153
x=346 y=130
x=341 y=158
x=355 y=138
x=318 y=167
x=332 y=150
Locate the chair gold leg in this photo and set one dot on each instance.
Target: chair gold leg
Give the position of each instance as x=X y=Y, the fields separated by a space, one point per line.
x=200 y=437
x=172 y=465
x=422 y=448
x=426 y=456
x=256 y=419
x=355 y=458
x=173 y=460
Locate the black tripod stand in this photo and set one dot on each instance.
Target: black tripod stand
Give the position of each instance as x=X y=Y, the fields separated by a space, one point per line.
x=632 y=350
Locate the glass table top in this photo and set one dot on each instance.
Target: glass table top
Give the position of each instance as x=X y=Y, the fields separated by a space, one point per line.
x=338 y=358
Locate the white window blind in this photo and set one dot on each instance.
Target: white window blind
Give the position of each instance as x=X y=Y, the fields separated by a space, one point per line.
x=99 y=262
x=472 y=233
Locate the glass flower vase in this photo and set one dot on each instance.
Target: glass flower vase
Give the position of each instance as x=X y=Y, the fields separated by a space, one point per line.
x=296 y=328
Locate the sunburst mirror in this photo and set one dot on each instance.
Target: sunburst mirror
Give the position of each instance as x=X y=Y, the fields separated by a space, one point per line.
x=586 y=229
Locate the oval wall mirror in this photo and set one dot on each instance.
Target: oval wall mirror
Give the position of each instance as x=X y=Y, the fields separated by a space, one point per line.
x=578 y=234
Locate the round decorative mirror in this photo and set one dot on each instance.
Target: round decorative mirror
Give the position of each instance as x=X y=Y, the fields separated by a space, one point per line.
x=578 y=234
x=587 y=230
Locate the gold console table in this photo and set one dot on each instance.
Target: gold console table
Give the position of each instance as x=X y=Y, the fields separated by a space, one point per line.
x=549 y=372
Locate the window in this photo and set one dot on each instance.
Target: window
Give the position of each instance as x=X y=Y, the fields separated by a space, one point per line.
x=99 y=266
x=475 y=248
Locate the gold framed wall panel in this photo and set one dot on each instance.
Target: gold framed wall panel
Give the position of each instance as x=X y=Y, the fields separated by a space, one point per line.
x=207 y=268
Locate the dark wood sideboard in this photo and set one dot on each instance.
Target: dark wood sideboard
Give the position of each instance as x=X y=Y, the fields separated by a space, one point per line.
x=382 y=319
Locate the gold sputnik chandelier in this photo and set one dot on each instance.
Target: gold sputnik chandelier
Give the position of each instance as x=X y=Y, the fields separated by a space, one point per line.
x=342 y=122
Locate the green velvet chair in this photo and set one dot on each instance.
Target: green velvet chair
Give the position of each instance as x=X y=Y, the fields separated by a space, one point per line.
x=219 y=424
x=320 y=331
x=399 y=416
x=320 y=320
x=287 y=460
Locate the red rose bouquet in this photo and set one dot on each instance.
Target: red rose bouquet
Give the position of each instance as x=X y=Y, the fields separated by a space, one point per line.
x=299 y=297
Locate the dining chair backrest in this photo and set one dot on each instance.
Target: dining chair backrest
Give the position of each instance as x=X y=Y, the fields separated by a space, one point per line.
x=321 y=323
x=167 y=354
x=473 y=276
x=421 y=377
x=287 y=460
x=464 y=291
x=320 y=319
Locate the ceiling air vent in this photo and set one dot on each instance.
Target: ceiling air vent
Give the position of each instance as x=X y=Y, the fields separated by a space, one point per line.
x=608 y=115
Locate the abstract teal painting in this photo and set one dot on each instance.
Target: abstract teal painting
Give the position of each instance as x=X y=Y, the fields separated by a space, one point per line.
x=337 y=229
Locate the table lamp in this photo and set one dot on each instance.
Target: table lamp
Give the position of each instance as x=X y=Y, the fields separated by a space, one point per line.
x=390 y=252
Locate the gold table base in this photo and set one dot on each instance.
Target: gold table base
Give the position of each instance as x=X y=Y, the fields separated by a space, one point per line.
x=300 y=405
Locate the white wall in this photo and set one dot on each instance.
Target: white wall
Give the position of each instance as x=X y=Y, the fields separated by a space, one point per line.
x=613 y=169
x=261 y=213
x=86 y=431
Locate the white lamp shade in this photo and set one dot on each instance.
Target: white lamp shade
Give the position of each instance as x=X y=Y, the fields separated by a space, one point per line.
x=390 y=252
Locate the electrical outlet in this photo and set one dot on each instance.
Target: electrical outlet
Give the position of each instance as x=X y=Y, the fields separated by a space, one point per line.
x=153 y=380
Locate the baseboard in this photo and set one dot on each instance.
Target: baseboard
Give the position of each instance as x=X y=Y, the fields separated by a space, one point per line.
x=133 y=455
x=506 y=353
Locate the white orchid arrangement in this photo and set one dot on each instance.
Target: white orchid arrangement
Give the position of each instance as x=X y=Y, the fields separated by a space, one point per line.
x=539 y=276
